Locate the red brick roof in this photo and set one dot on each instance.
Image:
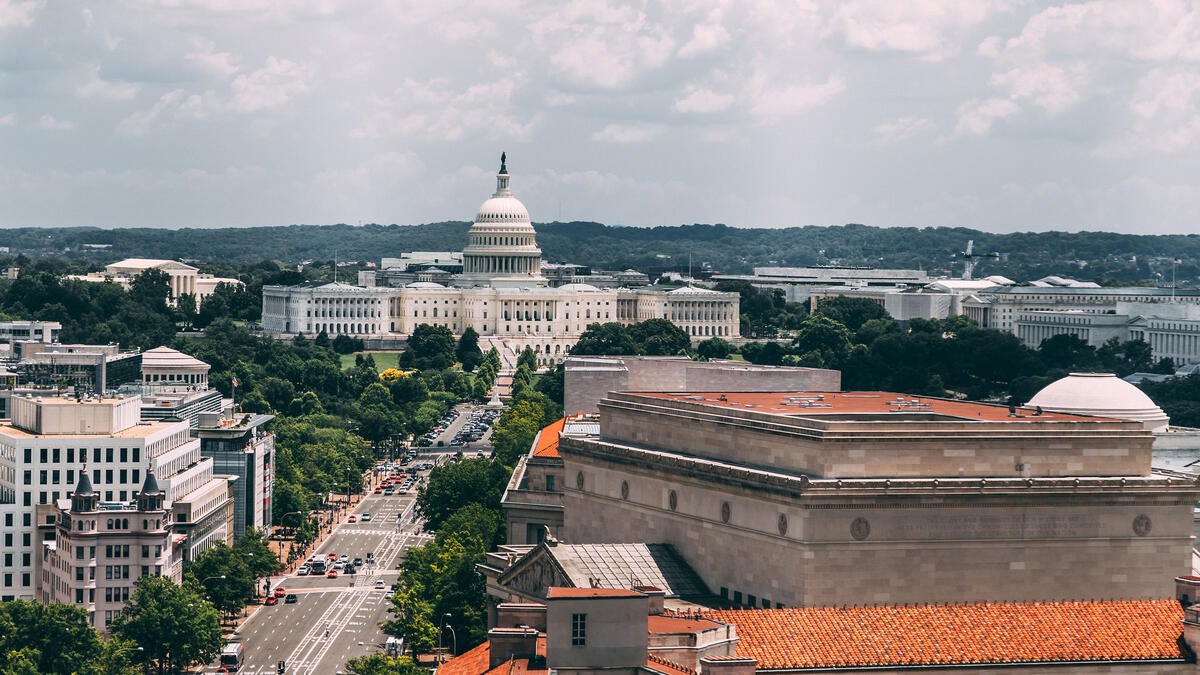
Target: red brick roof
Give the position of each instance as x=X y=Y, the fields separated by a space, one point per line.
x=826 y=637
x=663 y=623
x=565 y=592
x=546 y=444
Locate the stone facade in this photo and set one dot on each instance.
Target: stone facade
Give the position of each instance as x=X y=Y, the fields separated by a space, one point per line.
x=791 y=509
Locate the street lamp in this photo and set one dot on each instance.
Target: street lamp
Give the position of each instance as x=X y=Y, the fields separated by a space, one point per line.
x=347 y=484
x=454 y=636
x=441 y=639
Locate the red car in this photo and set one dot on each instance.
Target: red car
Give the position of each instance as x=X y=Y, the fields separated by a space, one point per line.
x=332 y=574
x=331 y=556
x=378 y=490
x=271 y=600
x=280 y=592
x=352 y=519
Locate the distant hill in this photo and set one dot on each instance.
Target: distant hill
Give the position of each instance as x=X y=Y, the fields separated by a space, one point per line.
x=1107 y=257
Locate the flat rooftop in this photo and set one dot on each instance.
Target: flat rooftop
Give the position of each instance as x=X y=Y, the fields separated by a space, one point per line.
x=867 y=406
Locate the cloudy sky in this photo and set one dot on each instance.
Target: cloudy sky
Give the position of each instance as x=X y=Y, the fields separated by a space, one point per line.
x=998 y=114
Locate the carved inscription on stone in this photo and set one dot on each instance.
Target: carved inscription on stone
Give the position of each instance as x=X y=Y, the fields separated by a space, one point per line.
x=994 y=526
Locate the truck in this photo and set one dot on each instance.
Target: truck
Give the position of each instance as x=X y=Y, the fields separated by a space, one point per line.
x=231 y=656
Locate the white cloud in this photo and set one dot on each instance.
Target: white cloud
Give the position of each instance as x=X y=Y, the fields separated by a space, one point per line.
x=975 y=117
x=8 y=120
x=701 y=100
x=204 y=54
x=706 y=37
x=271 y=86
x=1052 y=87
x=595 y=45
x=931 y=29
x=901 y=129
x=628 y=133
x=98 y=87
x=1165 y=115
x=436 y=110
x=19 y=13
x=51 y=122
x=771 y=103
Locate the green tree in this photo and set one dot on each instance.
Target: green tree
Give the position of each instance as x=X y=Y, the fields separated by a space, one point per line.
x=1067 y=352
x=552 y=384
x=414 y=617
x=822 y=342
x=175 y=627
x=514 y=432
x=254 y=548
x=454 y=485
x=467 y=353
x=659 y=337
x=604 y=339
x=185 y=310
x=714 y=348
x=429 y=348
x=55 y=638
x=151 y=289
x=382 y=664
x=851 y=312
x=224 y=576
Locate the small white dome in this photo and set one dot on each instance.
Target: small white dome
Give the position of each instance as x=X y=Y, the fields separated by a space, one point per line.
x=1102 y=395
x=424 y=284
x=578 y=287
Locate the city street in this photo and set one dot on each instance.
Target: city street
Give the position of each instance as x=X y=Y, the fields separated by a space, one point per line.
x=334 y=620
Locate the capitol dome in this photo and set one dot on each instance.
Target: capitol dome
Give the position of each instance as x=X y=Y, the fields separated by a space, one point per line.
x=501 y=242
x=1102 y=395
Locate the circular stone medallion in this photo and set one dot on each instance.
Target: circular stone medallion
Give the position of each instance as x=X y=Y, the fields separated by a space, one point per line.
x=860 y=529
x=1142 y=525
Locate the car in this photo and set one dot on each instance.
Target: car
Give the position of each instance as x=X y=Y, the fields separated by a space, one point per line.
x=303 y=570
x=345 y=557
x=271 y=600
x=389 y=492
x=366 y=517
x=389 y=593
x=222 y=671
x=352 y=519
x=358 y=561
x=379 y=583
x=396 y=586
x=339 y=565
x=349 y=569
x=331 y=556
x=332 y=574
x=403 y=491
x=291 y=599
x=279 y=592
x=378 y=490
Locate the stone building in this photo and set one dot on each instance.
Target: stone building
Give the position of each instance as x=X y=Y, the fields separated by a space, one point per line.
x=803 y=499
x=51 y=440
x=500 y=293
x=101 y=549
x=184 y=279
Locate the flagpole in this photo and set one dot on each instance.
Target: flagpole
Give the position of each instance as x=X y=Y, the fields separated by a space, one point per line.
x=1174 y=264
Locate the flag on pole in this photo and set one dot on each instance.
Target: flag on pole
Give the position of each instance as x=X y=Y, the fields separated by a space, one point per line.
x=1178 y=261
x=235 y=381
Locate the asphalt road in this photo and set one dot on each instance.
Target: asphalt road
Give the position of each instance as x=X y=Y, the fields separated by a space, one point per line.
x=335 y=620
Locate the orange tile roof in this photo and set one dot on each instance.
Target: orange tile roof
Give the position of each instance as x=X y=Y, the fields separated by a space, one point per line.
x=665 y=623
x=471 y=662
x=567 y=592
x=874 y=402
x=661 y=665
x=475 y=662
x=546 y=444
x=925 y=635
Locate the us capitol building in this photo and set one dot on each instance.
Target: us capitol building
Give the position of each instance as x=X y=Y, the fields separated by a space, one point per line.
x=500 y=292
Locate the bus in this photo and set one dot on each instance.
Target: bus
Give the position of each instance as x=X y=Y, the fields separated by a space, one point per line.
x=317 y=565
x=231 y=656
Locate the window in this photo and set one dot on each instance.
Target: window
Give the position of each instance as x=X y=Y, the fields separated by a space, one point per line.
x=578 y=630
x=549 y=483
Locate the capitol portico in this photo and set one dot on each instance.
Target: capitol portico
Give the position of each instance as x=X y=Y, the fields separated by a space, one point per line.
x=500 y=293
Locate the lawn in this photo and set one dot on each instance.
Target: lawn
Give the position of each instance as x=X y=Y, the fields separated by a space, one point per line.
x=383 y=360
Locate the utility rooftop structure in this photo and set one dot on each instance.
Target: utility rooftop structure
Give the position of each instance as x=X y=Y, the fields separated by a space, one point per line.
x=809 y=498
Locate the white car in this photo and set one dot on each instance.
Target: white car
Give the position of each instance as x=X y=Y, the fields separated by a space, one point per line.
x=366 y=517
x=379 y=583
